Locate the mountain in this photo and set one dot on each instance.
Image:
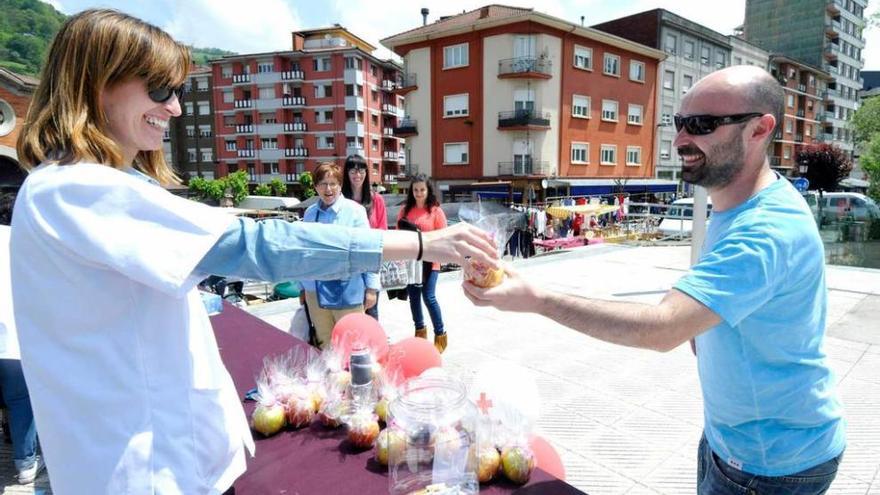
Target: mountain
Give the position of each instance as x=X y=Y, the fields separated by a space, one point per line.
x=27 y=28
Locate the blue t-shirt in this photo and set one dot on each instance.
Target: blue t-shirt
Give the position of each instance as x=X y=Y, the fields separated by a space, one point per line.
x=769 y=397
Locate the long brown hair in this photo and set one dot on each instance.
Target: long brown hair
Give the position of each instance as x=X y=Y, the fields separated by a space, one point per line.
x=94 y=50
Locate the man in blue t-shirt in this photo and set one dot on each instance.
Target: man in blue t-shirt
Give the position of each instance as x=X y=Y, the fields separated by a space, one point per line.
x=754 y=305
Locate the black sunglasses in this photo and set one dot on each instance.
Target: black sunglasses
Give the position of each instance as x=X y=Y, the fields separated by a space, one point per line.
x=357 y=166
x=700 y=125
x=161 y=95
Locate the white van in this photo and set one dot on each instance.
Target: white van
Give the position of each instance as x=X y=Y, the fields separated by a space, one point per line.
x=836 y=206
x=267 y=202
x=678 y=221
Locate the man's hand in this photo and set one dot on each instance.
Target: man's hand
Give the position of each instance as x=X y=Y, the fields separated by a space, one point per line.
x=455 y=244
x=370 y=298
x=513 y=294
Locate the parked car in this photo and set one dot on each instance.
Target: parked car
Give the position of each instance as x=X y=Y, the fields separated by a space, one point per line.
x=678 y=221
x=836 y=206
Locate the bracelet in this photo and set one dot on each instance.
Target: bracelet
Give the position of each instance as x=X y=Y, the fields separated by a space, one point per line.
x=419 y=257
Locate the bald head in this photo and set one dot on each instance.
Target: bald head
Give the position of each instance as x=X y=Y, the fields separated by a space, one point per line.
x=749 y=88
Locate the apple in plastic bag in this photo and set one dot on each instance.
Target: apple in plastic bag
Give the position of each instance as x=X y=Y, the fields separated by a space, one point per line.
x=488 y=463
x=363 y=429
x=390 y=444
x=268 y=420
x=484 y=276
x=517 y=464
x=300 y=411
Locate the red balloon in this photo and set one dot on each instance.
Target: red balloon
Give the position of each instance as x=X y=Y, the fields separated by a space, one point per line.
x=357 y=331
x=546 y=457
x=410 y=357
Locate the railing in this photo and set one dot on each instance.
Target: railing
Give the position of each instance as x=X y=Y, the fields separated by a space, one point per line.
x=243 y=103
x=391 y=155
x=406 y=127
x=406 y=81
x=775 y=161
x=244 y=128
x=293 y=75
x=800 y=113
x=802 y=88
x=241 y=78
x=831 y=51
x=522 y=65
x=832 y=26
x=387 y=85
x=524 y=117
x=389 y=108
x=294 y=127
x=388 y=131
x=527 y=166
x=293 y=101
x=296 y=152
x=246 y=153
x=799 y=138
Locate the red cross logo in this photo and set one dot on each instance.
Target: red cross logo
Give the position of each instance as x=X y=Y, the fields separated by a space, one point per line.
x=484 y=404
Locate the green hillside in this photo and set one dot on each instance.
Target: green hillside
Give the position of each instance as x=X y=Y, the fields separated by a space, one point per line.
x=27 y=28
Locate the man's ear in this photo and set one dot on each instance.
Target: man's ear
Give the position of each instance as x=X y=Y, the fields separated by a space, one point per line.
x=765 y=127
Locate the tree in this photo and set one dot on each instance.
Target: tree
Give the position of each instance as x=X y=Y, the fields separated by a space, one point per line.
x=278 y=187
x=866 y=120
x=308 y=184
x=826 y=165
x=870 y=162
x=263 y=190
x=236 y=184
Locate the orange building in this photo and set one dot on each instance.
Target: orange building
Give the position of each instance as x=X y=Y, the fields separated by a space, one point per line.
x=15 y=97
x=513 y=95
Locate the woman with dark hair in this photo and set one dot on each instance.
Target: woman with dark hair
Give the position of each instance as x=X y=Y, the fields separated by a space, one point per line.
x=356 y=187
x=423 y=210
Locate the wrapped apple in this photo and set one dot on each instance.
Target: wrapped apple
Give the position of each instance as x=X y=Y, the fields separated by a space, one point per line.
x=517 y=463
x=333 y=412
x=488 y=463
x=301 y=409
x=390 y=445
x=482 y=275
x=363 y=428
x=268 y=417
x=448 y=443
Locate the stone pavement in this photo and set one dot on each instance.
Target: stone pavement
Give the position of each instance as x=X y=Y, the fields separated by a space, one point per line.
x=627 y=420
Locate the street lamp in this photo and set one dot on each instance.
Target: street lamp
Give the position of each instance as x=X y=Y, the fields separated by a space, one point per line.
x=803 y=166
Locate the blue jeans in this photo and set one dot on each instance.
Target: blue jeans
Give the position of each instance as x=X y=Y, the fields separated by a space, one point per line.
x=427 y=290
x=715 y=477
x=21 y=417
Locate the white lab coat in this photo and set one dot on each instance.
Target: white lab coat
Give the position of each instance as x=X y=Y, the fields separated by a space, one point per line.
x=127 y=386
x=8 y=337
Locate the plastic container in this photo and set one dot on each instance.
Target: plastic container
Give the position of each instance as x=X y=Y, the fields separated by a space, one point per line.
x=439 y=425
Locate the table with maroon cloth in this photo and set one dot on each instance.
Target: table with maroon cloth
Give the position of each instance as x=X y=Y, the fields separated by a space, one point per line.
x=314 y=460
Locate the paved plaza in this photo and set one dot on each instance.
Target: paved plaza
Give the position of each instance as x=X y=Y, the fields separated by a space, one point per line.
x=627 y=420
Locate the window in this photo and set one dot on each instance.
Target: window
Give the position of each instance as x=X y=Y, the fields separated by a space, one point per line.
x=321 y=64
x=580 y=106
x=583 y=57
x=668 y=80
x=229 y=120
x=609 y=110
x=267 y=93
x=786 y=152
x=226 y=71
x=323 y=90
x=204 y=131
x=324 y=116
x=720 y=59
x=687 y=82
x=455 y=56
x=455 y=105
x=608 y=155
x=788 y=126
x=455 y=153
x=636 y=71
x=268 y=118
x=665 y=149
x=688 y=49
x=188 y=108
x=790 y=101
x=191 y=154
x=354 y=63
x=228 y=97
x=231 y=146
x=264 y=67
x=326 y=142
x=633 y=155
x=705 y=53
x=374 y=96
x=612 y=65
x=300 y=167
x=737 y=60
x=202 y=83
x=204 y=108
x=634 y=115
x=666 y=117
x=580 y=152
x=207 y=155
x=269 y=143
x=374 y=144
x=671 y=42
x=270 y=168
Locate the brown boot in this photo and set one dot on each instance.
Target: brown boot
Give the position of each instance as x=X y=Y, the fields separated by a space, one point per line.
x=422 y=333
x=440 y=342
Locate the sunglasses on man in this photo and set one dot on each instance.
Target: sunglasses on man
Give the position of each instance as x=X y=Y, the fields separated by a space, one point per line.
x=161 y=95
x=700 y=125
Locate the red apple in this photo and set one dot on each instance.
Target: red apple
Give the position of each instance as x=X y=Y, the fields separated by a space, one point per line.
x=363 y=428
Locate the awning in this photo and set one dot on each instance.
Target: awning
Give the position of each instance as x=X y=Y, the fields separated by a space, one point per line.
x=595 y=187
x=567 y=211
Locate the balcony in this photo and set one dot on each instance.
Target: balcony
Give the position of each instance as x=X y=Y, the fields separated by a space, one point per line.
x=354 y=128
x=524 y=119
x=802 y=88
x=831 y=52
x=832 y=8
x=828 y=94
x=389 y=109
x=354 y=150
x=354 y=103
x=800 y=113
x=297 y=152
x=293 y=75
x=293 y=101
x=775 y=161
x=387 y=85
x=267 y=77
x=391 y=156
x=272 y=154
x=831 y=69
x=243 y=103
x=241 y=78
x=353 y=76
x=524 y=68
x=406 y=127
x=825 y=137
x=405 y=84
x=246 y=153
x=388 y=132
x=267 y=103
x=269 y=129
x=244 y=128
x=525 y=166
x=295 y=127
x=799 y=138
x=832 y=28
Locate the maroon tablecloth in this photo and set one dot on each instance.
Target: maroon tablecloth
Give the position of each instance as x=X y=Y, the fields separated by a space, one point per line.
x=314 y=460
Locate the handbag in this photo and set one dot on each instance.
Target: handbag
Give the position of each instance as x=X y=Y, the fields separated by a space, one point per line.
x=398 y=274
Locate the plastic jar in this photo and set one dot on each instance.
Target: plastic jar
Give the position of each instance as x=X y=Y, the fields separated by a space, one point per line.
x=438 y=425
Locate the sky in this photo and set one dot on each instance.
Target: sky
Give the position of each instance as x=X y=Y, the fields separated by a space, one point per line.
x=265 y=25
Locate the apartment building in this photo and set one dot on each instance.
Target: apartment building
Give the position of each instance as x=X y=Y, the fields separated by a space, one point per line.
x=15 y=97
x=828 y=34
x=279 y=114
x=692 y=52
x=805 y=90
x=189 y=144
x=514 y=95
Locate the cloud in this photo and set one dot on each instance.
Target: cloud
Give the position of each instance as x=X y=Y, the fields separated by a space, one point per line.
x=250 y=27
x=54 y=3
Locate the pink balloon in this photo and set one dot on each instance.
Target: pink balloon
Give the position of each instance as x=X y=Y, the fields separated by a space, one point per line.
x=409 y=358
x=357 y=331
x=546 y=457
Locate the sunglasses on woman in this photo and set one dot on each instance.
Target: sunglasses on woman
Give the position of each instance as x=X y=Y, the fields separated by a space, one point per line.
x=700 y=125
x=161 y=95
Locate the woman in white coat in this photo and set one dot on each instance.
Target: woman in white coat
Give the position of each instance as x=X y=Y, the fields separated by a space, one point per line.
x=126 y=382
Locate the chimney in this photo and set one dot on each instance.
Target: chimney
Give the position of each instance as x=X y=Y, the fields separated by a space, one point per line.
x=484 y=12
x=299 y=42
x=582 y=21
x=424 y=16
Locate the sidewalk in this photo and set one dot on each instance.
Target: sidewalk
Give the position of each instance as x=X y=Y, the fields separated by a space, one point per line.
x=626 y=420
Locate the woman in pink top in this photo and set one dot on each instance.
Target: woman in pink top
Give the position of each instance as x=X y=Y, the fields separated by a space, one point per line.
x=423 y=210
x=356 y=187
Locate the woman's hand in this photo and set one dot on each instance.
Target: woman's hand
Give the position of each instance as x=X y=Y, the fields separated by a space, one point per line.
x=370 y=298
x=457 y=243
x=513 y=294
